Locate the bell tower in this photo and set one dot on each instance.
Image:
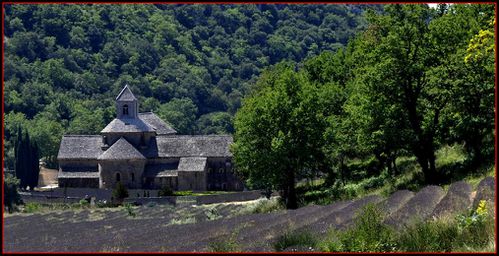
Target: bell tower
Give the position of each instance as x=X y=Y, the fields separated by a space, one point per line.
x=127 y=106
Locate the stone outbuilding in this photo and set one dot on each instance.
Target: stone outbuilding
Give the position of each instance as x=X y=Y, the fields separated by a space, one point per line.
x=143 y=152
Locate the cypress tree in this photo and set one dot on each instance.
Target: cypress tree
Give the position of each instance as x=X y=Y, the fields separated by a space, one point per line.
x=21 y=161
x=34 y=167
x=27 y=157
x=18 y=152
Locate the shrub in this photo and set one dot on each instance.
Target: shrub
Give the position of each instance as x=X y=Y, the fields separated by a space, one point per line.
x=184 y=193
x=301 y=239
x=165 y=191
x=476 y=228
x=429 y=236
x=83 y=203
x=471 y=231
x=212 y=214
x=32 y=207
x=11 y=196
x=120 y=192
x=369 y=233
x=129 y=210
x=266 y=205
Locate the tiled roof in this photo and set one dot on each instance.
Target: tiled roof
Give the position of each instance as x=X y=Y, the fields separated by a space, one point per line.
x=192 y=164
x=126 y=95
x=156 y=123
x=194 y=145
x=121 y=150
x=89 y=147
x=122 y=125
x=80 y=147
x=161 y=170
x=78 y=174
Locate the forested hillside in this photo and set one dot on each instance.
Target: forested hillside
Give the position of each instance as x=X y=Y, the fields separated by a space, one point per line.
x=191 y=64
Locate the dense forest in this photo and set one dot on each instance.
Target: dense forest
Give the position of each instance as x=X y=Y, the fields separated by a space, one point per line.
x=190 y=64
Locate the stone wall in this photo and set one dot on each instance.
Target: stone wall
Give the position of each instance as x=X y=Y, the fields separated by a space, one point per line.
x=78 y=182
x=221 y=176
x=195 y=181
x=130 y=173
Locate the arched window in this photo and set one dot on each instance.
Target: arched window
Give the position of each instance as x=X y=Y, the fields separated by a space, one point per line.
x=133 y=177
x=118 y=176
x=125 y=109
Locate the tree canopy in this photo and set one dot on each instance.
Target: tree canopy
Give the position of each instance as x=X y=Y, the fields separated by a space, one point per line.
x=416 y=78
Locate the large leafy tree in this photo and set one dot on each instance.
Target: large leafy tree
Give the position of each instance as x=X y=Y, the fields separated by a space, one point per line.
x=408 y=77
x=279 y=131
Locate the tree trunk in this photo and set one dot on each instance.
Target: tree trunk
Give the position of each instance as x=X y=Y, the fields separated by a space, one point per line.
x=394 y=163
x=291 y=199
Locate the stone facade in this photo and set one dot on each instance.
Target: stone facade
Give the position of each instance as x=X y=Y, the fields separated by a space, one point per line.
x=143 y=152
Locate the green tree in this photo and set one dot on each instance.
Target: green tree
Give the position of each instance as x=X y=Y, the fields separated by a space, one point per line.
x=11 y=196
x=473 y=95
x=279 y=131
x=181 y=113
x=398 y=50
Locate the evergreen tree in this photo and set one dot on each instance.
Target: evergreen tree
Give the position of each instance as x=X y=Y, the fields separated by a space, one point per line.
x=27 y=156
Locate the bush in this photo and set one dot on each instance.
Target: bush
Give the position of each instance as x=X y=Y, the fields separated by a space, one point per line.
x=300 y=239
x=212 y=214
x=11 y=196
x=430 y=236
x=369 y=234
x=266 y=205
x=476 y=229
x=32 y=207
x=473 y=231
x=165 y=191
x=120 y=192
x=184 y=193
x=84 y=203
x=129 y=210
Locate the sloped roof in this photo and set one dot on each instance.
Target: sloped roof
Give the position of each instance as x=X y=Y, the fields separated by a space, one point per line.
x=80 y=147
x=121 y=150
x=194 y=145
x=62 y=174
x=126 y=95
x=160 y=126
x=161 y=170
x=192 y=164
x=120 y=125
x=89 y=146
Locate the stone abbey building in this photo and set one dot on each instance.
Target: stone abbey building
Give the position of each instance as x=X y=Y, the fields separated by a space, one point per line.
x=143 y=152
